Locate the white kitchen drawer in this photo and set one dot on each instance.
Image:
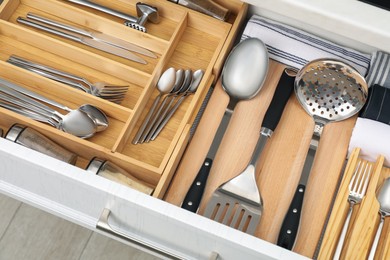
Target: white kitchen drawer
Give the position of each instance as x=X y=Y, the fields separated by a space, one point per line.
x=72 y=193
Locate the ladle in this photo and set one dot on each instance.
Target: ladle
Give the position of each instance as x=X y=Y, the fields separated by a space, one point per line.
x=384 y=211
x=96 y=115
x=75 y=122
x=196 y=78
x=165 y=84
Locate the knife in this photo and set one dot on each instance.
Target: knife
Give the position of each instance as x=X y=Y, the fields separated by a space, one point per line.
x=271 y=119
x=84 y=40
x=95 y=35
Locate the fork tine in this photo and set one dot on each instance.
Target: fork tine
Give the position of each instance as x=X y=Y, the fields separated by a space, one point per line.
x=367 y=180
x=360 y=180
x=352 y=181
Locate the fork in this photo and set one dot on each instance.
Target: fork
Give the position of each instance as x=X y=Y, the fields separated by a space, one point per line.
x=357 y=190
x=114 y=93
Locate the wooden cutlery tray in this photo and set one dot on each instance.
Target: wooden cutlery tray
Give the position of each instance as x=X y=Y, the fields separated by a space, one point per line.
x=365 y=216
x=183 y=39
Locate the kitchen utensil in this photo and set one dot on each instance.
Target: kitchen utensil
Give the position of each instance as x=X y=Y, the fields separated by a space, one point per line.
x=384 y=200
x=32 y=139
x=111 y=171
x=82 y=39
x=113 y=93
x=164 y=85
x=196 y=78
x=179 y=83
x=75 y=122
x=357 y=190
x=207 y=7
x=329 y=90
x=98 y=117
x=144 y=11
x=242 y=79
x=283 y=91
x=94 y=35
x=184 y=88
x=243 y=187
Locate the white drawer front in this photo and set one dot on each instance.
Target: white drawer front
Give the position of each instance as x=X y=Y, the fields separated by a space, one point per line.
x=80 y=197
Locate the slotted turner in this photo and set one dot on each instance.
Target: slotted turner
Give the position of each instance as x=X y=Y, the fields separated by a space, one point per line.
x=237 y=202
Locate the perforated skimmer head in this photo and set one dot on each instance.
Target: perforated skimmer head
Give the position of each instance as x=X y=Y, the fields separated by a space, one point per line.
x=330 y=89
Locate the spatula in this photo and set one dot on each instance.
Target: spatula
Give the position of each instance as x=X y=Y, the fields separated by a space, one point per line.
x=238 y=202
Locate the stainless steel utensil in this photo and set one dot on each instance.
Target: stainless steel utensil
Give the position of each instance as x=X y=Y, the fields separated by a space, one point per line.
x=242 y=79
x=164 y=85
x=82 y=39
x=196 y=78
x=357 y=190
x=384 y=200
x=95 y=35
x=144 y=11
x=329 y=90
x=95 y=114
x=114 y=93
x=76 y=122
x=207 y=7
x=179 y=83
x=283 y=90
x=183 y=89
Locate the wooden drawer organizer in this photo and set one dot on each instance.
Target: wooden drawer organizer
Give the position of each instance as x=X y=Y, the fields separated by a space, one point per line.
x=183 y=39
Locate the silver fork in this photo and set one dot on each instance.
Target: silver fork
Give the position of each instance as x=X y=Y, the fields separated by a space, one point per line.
x=114 y=93
x=357 y=190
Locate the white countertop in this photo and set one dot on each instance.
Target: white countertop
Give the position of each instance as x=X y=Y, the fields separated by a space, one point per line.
x=349 y=22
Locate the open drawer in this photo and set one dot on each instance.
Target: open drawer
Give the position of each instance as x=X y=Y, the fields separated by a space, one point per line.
x=183 y=39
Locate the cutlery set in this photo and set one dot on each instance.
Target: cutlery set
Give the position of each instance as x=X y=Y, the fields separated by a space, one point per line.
x=358 y=233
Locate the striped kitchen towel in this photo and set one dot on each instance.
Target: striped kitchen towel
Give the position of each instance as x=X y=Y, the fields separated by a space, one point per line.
x=377 y=106
x=295 y=47
x=379 y=72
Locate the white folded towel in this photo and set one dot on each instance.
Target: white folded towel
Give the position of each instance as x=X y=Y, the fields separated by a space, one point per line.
x=295 y=47
x=373 y=138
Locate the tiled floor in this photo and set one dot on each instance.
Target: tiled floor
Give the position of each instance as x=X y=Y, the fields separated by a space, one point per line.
x=29 y=233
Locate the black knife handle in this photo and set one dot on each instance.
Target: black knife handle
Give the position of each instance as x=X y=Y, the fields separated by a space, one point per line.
x=290 y=225
x=195 y=193
x=282 y=93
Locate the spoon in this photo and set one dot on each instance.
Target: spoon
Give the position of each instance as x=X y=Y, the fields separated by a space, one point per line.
x=165 y=85
x=242 y=79
x=96 y=115
x=196 y=78
x=176 y=88
x=384 y=210
x=184 y=87
x=75 y=122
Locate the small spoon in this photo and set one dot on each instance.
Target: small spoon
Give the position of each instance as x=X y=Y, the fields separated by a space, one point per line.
x=176 y=88
x=384 y=210
x=165 y=85
x=184 y=87
x=196 y=79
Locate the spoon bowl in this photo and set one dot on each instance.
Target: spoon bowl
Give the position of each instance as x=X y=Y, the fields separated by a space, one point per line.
x=384 y=211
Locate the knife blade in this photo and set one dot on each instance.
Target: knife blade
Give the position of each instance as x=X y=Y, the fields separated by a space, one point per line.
x=283 y=91
x=99 y=36
x=84 y=40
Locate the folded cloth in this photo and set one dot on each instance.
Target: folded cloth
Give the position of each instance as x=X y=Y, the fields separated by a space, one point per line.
x=378 y=104
x=373 y=138
x=379 y=72
x=295 y=47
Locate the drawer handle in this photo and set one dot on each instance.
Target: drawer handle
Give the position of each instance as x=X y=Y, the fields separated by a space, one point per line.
x=103 y=225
